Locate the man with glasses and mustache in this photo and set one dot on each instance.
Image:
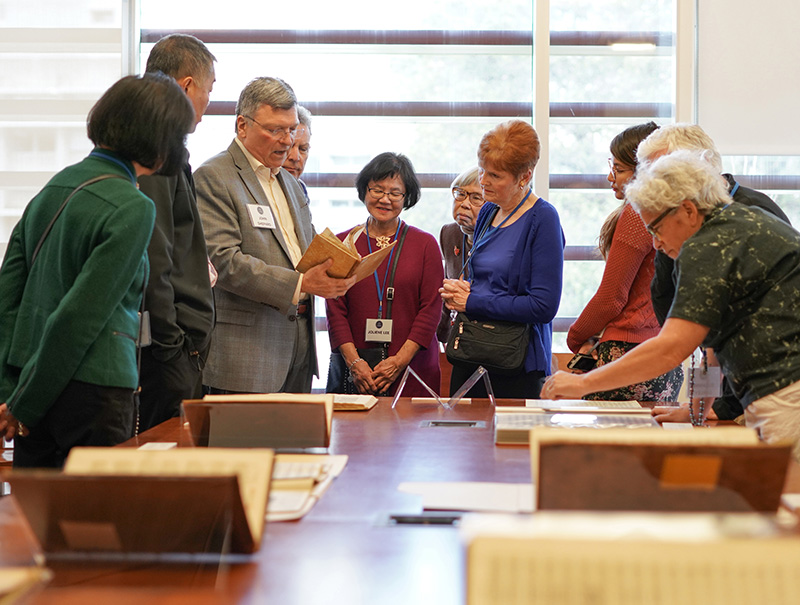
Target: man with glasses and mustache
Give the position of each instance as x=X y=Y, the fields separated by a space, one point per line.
x=258 y=225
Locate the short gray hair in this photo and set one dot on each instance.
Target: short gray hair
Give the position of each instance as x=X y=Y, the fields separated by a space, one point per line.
x=304 y=117
x=466 y=178
x=265 y=91
x=679 y=136
x=669 y=180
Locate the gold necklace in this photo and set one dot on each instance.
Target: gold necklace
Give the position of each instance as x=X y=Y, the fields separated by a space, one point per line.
x=383 y=240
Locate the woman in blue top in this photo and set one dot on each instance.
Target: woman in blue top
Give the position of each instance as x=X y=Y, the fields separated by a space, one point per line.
x=517 y=259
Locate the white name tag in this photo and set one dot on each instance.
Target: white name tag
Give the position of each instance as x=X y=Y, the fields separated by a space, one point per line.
x=707 y=384
x=378 y=330
x=261 y=216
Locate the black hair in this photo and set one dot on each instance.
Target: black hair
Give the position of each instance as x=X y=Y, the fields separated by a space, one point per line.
x=387 y=165
x=144 y=119
x=181 y=55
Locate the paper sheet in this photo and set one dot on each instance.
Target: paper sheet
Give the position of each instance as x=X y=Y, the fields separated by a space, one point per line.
x=473 y=496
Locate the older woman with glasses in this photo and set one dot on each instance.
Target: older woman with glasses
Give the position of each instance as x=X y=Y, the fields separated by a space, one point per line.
x=387 y=322
x=515 y=268
x=620 y=315
x=738 y=291
x=456 y=238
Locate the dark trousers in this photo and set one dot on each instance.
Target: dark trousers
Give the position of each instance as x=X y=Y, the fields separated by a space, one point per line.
x=165 y=384
x=522 y=386
x=84 y=414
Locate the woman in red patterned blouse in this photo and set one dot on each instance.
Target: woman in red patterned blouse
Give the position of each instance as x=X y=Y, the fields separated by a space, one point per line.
x=620 y=314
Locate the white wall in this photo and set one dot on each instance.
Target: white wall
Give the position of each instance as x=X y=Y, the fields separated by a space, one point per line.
x=749 y=75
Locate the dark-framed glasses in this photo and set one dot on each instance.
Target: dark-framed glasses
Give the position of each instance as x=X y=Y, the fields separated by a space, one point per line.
x=653 y=225
x=475 y=199
x=377 y=193
x=278 y=133
x=616 y=169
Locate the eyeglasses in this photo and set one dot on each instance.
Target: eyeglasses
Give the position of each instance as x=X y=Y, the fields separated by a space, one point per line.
x=378 y=193
x=475 y=199
x=278 y=133
x=615 y=170
x=651 y=226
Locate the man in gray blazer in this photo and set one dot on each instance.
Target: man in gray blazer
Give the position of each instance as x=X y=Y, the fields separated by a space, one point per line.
x=257 y=226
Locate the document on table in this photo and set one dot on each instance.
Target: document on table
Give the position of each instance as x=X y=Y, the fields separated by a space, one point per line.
x=298 y=481
x=473 y=496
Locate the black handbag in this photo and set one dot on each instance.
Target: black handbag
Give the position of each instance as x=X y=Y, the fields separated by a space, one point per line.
x=499 y=346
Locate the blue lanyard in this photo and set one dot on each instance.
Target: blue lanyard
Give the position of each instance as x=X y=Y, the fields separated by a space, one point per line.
x=464 y=255
x=484 y=237
x=117 y=161
x=385 y=275
x=735 y=189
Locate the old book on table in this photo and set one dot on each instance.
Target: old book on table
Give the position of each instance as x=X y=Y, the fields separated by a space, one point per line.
x=353 y=403
x=274 y=420
x=723 y=469
x=120 y=500
x=346 y=259
x=629 y=559
x=298 y=482
x=512 y=425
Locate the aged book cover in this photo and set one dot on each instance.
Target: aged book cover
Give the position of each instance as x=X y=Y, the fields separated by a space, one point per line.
x=346 y=260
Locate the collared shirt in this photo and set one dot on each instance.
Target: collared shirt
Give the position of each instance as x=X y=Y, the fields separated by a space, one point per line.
x=277 y=198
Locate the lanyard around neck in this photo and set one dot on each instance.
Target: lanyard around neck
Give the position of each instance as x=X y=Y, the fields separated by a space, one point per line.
x=388 y=264
x=100 y=154
x=482 y=239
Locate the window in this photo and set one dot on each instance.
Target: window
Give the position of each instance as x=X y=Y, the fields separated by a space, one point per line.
x=56 y=60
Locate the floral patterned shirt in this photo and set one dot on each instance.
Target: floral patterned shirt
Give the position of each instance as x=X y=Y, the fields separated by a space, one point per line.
x=739 y=275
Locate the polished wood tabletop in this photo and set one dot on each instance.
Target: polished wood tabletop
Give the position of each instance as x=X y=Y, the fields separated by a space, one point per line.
x=345 y=550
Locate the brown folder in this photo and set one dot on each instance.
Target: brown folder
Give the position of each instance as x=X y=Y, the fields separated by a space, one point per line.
x=274 y=420
x=92 y=514
x=661 y=477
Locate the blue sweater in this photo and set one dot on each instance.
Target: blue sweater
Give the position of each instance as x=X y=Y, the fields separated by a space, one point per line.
x=517 y=274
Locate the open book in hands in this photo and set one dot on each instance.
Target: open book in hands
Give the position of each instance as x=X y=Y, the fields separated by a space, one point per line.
x=346 y=259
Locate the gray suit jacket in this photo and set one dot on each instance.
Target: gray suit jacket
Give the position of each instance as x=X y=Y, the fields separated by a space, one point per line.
x=256 y=334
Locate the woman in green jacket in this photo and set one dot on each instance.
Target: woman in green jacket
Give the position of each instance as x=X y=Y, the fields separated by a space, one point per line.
x=72 y=279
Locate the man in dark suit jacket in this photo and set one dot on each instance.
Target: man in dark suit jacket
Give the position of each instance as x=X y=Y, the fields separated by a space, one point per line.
x=258 y=224
x=178 y=296
x=662 y=289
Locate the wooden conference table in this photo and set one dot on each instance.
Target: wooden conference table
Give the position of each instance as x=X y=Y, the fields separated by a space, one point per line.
x=345 y=550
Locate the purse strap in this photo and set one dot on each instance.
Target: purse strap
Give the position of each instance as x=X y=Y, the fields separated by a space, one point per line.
x=53 y=220
x=36 y=250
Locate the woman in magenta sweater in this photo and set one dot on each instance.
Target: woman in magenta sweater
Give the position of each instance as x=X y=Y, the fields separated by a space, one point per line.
x=401 y=297
x=620 y=314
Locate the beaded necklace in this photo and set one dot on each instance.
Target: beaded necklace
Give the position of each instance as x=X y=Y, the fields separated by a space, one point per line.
x=701 y=410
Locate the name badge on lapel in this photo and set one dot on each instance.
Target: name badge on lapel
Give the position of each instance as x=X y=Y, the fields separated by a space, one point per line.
x=378 y=330
x=261 y=216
